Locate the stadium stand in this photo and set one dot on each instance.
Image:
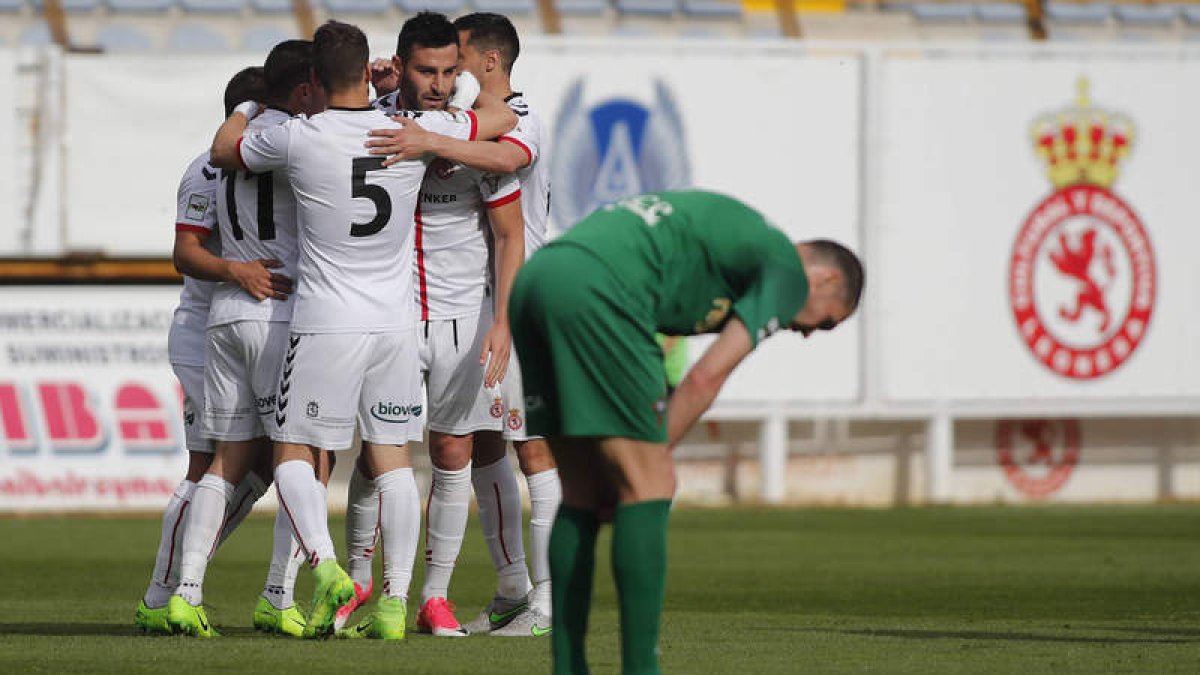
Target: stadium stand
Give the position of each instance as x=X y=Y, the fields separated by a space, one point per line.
x=195 y=37
x=117 y=37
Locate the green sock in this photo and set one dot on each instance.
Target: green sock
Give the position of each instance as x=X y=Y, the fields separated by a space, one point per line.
x=639 y=561
x=572 y=566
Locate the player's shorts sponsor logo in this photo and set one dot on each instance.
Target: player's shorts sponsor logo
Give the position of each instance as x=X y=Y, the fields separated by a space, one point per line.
x=313 y=409
x=1082 y=277
x=497 y=409
x=395 y=413
x=625 y=144
x=1038 y=456
x=515 y=421
x=265 y=404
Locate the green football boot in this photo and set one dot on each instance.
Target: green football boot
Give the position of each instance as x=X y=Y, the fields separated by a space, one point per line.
x=268 y=619
x=386 y=622
x=151 y=621
x=334 y=589
x=188 y=620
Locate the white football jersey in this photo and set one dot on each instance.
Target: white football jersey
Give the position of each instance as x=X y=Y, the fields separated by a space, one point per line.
x=257 y=215
x=452 y=273
x=534 y=178
x=355 y=217
x=195 y=211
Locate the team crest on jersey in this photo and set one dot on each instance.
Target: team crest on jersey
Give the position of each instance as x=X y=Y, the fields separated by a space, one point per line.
x=615 y=148
x=497 y=409
x=1038 y=456
x=514 y=419
x=1082 y=274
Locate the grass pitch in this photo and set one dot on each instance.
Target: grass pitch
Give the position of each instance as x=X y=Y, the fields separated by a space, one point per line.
x=944 y=590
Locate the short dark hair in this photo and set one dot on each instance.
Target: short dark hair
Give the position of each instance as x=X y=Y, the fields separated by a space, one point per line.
x=426 y=29
x=492 y=31
x=287 y=66
x=340 y=54
x=247 y=85
x=847 y=263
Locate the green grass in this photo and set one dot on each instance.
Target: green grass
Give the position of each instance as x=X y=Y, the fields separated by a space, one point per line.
x=972 y=590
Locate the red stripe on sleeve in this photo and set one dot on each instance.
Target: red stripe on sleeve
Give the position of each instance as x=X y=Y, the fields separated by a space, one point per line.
x=421 y=263
x=238 y=149
x=187 y=227
x=474 y=125
x=504 y=200
x=519 y=144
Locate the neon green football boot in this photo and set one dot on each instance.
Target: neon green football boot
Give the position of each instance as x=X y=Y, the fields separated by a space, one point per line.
x=151 y=621
x=268 y=619
x=385 y=623
x=334 y=589
x=189 y=620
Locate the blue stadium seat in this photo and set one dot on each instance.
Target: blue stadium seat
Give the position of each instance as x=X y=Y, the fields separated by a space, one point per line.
x=948 y=12
x=115 y=37
x=194 y=37
x=1000 y=13
x=712 y=9
x=336 y=7
x=450 y=8
x=1146 y=15
x=272 y=6
x=36 y=35
x=11 y=5
x=139 y=6
x=73 y=6
x=262 y=38
x=212 y=6
x=1078 y=14
x=581 y=7
x=646 y=7
x=506 y=7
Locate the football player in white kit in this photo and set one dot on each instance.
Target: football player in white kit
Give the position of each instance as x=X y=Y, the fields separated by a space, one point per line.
x=247 y=337
x=464 y=349
x=352 y=350
x=489 y=47
x=197 y=257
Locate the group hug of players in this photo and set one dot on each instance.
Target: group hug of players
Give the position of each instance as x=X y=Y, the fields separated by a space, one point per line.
x=339 y=253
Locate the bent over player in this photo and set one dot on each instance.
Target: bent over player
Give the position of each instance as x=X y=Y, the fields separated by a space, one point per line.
x=585 y=310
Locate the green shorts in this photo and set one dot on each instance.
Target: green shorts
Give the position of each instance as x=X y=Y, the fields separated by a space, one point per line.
x=589 y=361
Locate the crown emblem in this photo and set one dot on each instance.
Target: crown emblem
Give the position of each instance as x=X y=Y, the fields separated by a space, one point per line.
x=1081 y=144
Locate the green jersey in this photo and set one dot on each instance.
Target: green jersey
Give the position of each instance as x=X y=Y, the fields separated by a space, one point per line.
x=696 y=257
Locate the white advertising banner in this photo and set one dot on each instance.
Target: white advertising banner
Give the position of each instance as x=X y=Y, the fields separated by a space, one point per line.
x=10 y=199
x=90 y=411
x=137 y=125
x=1034 y=229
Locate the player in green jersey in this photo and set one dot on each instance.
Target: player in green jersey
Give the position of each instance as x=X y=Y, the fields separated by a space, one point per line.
x=585 y=310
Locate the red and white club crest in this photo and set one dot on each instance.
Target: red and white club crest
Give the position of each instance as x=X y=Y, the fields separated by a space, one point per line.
x=1082 y=275
x=514 y=419
x=497 y=409
x=1038 y=456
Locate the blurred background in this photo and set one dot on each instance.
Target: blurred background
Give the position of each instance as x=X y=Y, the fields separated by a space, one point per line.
x=1018 y=177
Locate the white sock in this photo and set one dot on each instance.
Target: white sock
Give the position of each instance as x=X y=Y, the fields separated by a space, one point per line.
x=445 y=522
x=545 y=494
x=499 y=498
x=399 y=529
x=165 y=577
x=209 y=501
x=302 y=499
x=284 y=550
x=362 y=526
x=249 y=491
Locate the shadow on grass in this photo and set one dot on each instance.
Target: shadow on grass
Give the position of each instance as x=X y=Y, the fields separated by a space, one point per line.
x=1176 y=637
x=101 y=629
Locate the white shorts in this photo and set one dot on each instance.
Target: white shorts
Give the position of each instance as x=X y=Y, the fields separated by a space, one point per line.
x=244 y=360
x=458 y=401
x=330 y=381
x=512 y=394
x=191 y=380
